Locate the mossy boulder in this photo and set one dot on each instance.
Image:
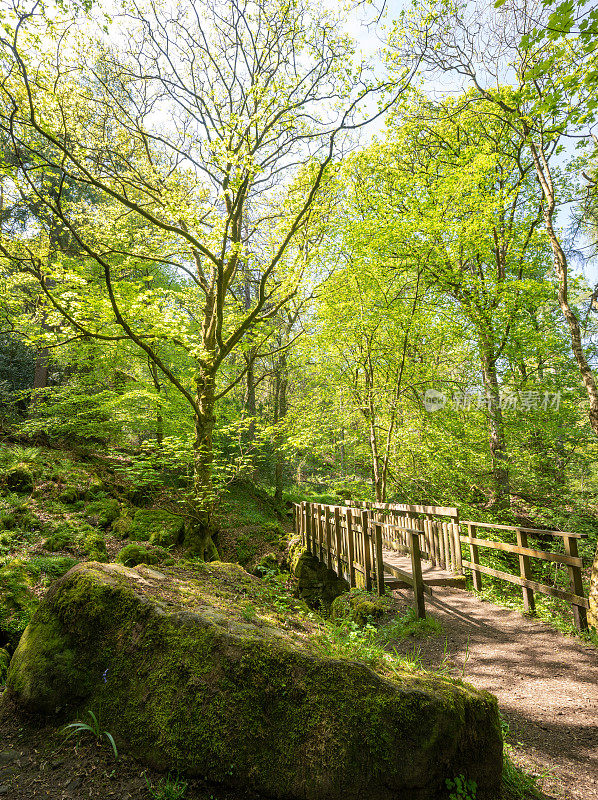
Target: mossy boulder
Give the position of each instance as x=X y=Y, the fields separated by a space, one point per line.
x=157 y=527
x=186 y=680
x=19 y=479
x=123 y=525
x=94 y=545
x=70 y=494
x=102 y=513
x=133 y=554
x=359 y=607
x=316 y=584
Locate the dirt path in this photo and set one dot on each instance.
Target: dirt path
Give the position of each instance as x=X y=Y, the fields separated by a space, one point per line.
x=546 y=684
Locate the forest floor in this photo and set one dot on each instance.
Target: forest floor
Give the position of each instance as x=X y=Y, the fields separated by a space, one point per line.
x=546 y=683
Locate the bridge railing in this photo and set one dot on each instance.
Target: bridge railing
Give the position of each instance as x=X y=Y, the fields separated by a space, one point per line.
x=570 y=558
x=350 y=539
x=438 y=527
x=345 y=540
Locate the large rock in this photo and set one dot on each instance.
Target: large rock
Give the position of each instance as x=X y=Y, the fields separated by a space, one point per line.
x=192 y=670
x=315 y=583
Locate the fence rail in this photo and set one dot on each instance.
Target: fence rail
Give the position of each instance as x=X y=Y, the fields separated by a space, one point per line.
x=570 y=558
x=352 y=539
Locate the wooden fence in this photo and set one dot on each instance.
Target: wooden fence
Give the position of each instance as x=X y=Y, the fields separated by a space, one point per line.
x=351 y=540
x=438 y=529
x=570 y=557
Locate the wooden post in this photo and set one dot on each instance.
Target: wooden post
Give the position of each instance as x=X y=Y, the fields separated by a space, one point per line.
x=320 y=529
x=350 y=548
x=575 y=582
x=308 y=527
x=339 y=541
x=379 y=560
x=529 y=604
x=458 y=555
x=367 y=559
x=328 y=529
x=475 y=559
x=416 y=571
x=447 y=547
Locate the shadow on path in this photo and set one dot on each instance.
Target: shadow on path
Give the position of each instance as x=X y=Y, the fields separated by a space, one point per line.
x=546 y=684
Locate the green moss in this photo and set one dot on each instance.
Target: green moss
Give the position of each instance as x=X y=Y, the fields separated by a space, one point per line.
x=19 y=478
x=123 y=525
x=102 y=512
x=94 y=546
x=158 y=527
x=69 y=495
x=4 y=662
x=134 y=554
x=359 y=606
x=62 y=538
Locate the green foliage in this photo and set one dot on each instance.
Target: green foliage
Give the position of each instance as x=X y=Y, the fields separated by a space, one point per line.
x=461 y=788
x=78 y=728
x=172 y=787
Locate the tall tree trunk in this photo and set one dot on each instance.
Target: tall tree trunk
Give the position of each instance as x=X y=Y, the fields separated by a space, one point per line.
x=200 y=529
x=562 y=272
x=280 y=412
x=159 y=417
x=498 y=446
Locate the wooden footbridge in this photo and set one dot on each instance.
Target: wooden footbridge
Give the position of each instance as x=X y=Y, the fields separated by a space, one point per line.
x=388 y=546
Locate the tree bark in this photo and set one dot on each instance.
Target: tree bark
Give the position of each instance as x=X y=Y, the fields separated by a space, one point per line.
x=201 y=529
x=280 y=413
x=498 y=445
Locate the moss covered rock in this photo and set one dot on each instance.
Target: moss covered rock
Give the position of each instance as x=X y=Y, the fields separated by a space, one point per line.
x=359 y=606
x=70 y=494
x=19 y=479
x=157 y=527
x=316 y=584
x=102 y=512
x=186 y=680
x=133 y=554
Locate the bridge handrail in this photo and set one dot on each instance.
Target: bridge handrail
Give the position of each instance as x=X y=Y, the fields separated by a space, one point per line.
x=361 y=529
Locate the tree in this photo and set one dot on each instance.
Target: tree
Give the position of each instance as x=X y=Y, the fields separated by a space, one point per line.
x=190 y=130
x=551 y=98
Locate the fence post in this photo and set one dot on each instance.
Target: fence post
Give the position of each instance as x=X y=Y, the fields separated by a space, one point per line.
x=379 y=560
x=529 y=603
x=576 y=584
x=308 y=527
x=338 y=540
x=416 y=571
x=350 y=548
x=319 y=532
x=447 y=548
x=475 y=559
x=367 y=559
x=458 y=554
x=328 y=529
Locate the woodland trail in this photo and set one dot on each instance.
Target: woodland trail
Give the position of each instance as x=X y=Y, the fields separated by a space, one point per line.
x=546 y=683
